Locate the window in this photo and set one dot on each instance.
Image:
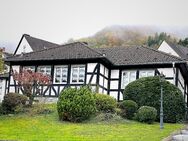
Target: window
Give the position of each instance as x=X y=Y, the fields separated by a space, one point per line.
x=60 y=74
x=45 y=70
x=78 y=74
x=127 y=77
x=32 y=68
x=146 y=73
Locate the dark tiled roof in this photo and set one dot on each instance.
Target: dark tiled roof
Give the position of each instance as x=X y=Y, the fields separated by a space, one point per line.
x=134 y=55
x=38 y=44
x=180 y=50
x=76 y=50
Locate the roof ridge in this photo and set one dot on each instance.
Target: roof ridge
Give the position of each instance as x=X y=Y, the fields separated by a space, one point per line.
x=27 y=35
x=92 y=49
x=161 y=52
x=115 y=47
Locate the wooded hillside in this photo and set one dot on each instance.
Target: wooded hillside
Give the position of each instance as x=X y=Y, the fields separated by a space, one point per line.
x=130 y=35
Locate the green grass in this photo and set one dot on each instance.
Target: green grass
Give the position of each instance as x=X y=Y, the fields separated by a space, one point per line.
x=32 y=127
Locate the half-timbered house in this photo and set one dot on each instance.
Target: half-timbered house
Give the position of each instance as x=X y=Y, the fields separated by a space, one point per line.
x=106 y=70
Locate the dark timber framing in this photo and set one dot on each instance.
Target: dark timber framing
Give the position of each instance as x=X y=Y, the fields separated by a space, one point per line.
x=176 y=77
x=119 y=85
x=95 y=71
x=85 y=77
x=97 y=81
x=55 y=88
x=9 y=78
x=49 y=88
x=109 y=78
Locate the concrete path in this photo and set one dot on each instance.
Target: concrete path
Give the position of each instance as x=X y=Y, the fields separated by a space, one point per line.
x=182 y=136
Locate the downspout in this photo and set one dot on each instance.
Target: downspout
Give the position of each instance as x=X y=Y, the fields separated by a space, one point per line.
x=174 y=72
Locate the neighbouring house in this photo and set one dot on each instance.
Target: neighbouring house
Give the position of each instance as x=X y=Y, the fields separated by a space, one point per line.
x=4 y=75
x=106 y=70
x=31 y=44
x=174 y=49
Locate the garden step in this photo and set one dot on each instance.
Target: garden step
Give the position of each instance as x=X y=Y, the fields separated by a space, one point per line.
x=181 y=137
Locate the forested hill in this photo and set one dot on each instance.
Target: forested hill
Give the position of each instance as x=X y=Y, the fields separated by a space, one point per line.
x=135 y=35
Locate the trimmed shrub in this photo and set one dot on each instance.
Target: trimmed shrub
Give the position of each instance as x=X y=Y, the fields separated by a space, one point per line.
x=12 y=102
x=105 y=103
x=146 y=114
x=76 y=105
x=129 y=108
x=146 y=91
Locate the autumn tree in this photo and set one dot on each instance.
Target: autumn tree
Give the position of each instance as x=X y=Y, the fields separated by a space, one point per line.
x=29 y=82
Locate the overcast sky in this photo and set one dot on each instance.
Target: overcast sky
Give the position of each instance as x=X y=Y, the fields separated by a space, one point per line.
x=60 y=20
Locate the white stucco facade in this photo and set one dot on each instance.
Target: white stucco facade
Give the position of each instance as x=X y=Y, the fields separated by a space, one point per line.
x=2 y=89
x=24 y=47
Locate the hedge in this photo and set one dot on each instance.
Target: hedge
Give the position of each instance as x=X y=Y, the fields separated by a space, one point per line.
x=147 y=91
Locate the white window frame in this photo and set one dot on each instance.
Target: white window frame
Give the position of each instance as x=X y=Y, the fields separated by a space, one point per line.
x=78 y=70
x=32 y=68
x=45 y=70
x=129 y=77
x=147 y=73
x=61 y=72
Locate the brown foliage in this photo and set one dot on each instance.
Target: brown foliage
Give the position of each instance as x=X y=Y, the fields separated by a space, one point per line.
x=27 y=80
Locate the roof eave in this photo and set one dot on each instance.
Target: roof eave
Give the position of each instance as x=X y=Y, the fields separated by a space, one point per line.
x=151 y=64
x=33 y=60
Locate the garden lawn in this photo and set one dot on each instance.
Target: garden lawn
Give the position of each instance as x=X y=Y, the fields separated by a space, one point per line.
x=25 y=127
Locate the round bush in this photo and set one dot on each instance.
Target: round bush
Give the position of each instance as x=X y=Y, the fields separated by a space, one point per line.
x=105 y=103
x=147 y=91
x=12 y=101
x=146 y=114
x=129 y=108
x=76 y=105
